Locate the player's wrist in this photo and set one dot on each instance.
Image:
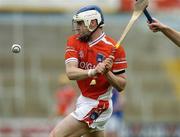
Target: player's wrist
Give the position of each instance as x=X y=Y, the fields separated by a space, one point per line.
x=91 y=72
x=107 y=73
x=163 y=27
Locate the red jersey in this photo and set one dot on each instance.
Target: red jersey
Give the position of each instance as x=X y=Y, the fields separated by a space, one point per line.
x=88 y=55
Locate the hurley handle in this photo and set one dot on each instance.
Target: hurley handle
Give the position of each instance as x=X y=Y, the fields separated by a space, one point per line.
x=148 y=16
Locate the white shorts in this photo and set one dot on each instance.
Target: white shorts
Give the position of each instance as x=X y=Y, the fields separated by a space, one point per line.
x=93 y=112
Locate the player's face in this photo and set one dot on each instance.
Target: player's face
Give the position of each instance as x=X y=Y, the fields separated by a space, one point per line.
x=80 y=28
x=82 y=31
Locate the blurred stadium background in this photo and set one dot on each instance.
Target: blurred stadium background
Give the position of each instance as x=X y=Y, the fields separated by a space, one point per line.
x=28 y=80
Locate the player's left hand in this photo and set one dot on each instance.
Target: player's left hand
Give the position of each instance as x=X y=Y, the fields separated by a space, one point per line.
x=108 y=63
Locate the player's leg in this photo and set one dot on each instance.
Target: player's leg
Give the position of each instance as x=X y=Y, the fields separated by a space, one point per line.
x=94 y=134
x=69 y=127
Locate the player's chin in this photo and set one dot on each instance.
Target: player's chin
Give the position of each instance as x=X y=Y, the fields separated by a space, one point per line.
x=84 y=38
x=81 y=35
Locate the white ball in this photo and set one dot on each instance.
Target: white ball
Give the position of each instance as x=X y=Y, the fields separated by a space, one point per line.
x=16 y=48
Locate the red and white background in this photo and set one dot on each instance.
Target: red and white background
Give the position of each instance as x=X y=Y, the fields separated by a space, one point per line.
x=70 y=5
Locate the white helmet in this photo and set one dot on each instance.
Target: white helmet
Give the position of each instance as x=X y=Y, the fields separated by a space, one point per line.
x=89 y=13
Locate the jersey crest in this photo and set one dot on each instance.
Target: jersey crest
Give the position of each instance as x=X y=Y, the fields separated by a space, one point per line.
x=100 y=57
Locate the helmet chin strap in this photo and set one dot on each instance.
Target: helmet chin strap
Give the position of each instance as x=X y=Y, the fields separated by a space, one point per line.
x=87 y=37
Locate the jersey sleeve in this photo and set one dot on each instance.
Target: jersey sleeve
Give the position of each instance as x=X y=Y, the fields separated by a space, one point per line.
x=120 y=62
x=71 y=53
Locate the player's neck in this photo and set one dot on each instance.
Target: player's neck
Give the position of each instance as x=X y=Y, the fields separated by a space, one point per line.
x=96 y=35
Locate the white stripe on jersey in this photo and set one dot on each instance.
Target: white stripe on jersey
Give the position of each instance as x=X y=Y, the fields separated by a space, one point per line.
x=68 y=50
x=71 y=60
x=107 y=42
x=97 y=40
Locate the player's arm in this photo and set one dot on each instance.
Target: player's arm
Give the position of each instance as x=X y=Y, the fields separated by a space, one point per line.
x=172 y=34
x=117 y=81
x=71 y=62
x=75 y=73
